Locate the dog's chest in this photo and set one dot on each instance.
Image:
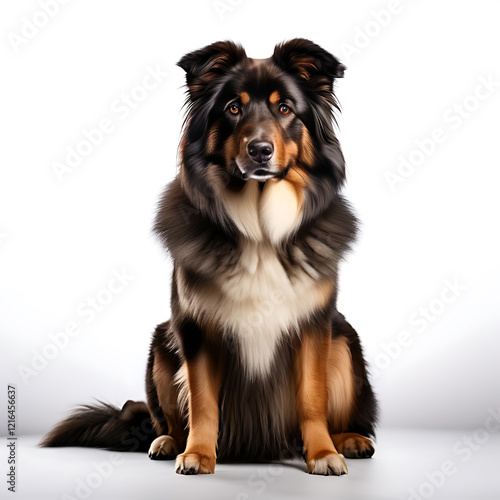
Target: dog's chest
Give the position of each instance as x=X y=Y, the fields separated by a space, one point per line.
x=255 y=301
x=261 y=304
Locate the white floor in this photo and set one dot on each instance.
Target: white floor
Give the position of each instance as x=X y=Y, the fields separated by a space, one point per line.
x=440 y=465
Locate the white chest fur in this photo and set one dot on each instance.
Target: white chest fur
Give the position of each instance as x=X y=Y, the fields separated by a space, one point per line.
x=268 y=215
x=264 y=306
x=257 y=302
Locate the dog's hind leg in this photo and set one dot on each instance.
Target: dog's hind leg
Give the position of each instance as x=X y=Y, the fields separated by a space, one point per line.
x=311 y=374
x=163 y=398
x=353 y=445
x=352 y=407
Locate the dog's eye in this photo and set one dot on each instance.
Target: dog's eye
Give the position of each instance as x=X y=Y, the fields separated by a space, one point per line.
x=284 y=109
x=234 y=109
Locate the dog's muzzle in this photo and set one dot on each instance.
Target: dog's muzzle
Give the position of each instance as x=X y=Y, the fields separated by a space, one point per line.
x=259 y=154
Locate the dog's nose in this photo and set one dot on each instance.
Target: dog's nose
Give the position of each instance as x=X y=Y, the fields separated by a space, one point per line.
x=260 y=151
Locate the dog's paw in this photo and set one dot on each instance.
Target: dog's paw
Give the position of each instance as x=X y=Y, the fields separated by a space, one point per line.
x=194 y=463
x=163 y=448
x=358 y=447
x=332 y=464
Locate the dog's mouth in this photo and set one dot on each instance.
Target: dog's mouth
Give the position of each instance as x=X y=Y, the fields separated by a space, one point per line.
x=260 y=172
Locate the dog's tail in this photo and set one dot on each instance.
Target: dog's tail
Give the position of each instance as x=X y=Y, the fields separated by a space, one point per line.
x=105 y=426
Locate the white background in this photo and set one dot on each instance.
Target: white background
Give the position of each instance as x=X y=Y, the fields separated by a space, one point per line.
x=61 y=240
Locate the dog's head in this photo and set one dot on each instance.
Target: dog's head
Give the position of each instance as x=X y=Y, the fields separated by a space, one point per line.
x=262 y=118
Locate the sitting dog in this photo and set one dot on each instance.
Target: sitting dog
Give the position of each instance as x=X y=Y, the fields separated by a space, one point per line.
x=256 y=363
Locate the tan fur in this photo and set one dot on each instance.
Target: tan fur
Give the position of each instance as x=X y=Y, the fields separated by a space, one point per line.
x=163 y=445
x=284 y=152
x=304 y=66
x=203 y=416
x=274 y=97
x=340 y=380
x=299 y=178
x=181 y=382
x=306 y=148
x=353 y=445
x=311 y=369
x=230 y=149
x=245 y=98
x=163 y=375
x=212 y=139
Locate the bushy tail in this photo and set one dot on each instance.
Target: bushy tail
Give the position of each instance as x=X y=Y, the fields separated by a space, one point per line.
x=105 y=426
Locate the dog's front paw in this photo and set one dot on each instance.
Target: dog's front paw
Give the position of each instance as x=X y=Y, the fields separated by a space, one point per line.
x=194 y=463
x=332 y=464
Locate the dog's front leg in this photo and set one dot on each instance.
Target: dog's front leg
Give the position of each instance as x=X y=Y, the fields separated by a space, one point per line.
x=311 y=365
x=200 y=455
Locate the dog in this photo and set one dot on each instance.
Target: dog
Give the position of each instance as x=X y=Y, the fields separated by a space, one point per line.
x=256 y=363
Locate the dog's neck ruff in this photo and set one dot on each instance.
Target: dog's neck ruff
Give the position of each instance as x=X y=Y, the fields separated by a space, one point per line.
x=259 y=304
x=271 y=213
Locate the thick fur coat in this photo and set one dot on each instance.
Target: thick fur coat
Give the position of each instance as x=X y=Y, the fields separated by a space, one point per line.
x=255 y=363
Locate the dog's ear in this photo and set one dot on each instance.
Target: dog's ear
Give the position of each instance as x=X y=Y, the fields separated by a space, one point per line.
x=203 y=66
x=316 y=67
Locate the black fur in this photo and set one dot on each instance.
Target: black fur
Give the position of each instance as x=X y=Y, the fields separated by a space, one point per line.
x=105 y=426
